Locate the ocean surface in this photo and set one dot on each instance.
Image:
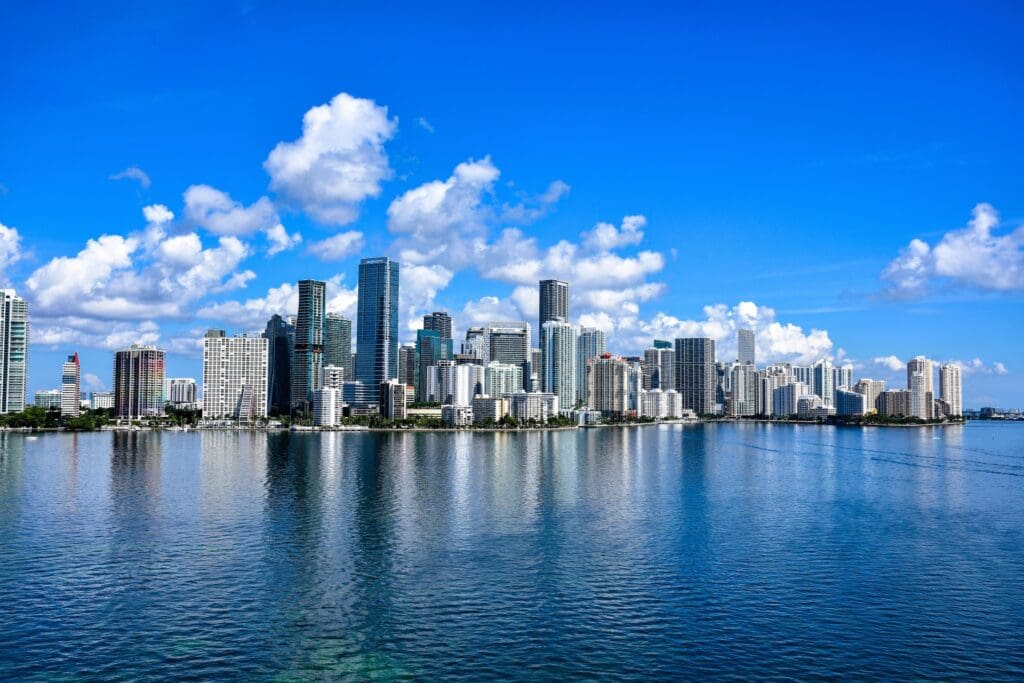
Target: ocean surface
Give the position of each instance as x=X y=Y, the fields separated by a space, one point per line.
x=668 y=552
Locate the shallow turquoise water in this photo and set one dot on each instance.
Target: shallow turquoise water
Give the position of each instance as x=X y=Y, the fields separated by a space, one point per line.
x=659 y=552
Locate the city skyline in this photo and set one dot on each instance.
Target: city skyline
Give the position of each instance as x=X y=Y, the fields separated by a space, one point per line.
x=690 y=218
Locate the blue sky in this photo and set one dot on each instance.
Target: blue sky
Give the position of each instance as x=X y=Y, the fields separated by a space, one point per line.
x=688 y=170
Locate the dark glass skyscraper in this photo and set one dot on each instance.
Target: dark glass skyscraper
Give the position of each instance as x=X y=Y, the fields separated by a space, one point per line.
x=309 y=344
x=440 y=321
x=377 y=321
x=431 y=347
x=338 y=343
x=554 y=301
x=280 y=336
x=696 y=374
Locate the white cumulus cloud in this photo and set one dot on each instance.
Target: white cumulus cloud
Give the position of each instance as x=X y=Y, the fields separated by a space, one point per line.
x=972 y=256
x=337 y=247
x=338 y=162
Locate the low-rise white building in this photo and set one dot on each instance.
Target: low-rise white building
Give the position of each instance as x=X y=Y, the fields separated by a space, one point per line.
x=488 y=409
x=327 y=407
x=534 y=405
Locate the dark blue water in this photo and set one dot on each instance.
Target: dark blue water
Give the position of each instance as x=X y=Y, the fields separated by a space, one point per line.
x=660 y=552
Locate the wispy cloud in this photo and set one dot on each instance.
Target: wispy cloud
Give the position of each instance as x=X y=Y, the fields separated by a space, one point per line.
x=133 y=173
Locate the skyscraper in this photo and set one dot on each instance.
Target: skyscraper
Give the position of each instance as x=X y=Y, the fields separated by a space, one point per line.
x=824 y=382
x=377 y=321
x=554 y=301
x=920 y=397
x=439 y=321
x=950 y=389
x=925 y=367
x=842 y=377
x=431 y=348
x=71 y=387
x=696 y=374
x=871 y=388
x=338 y=343
x=509 y=342
x=558 y=357
x=307 y=359
x=743 y=398
x=13 y=351
x=591 y=344
x=408 y=368
x=613 y=385
x=138 y=382
x=234 y=377
x=280 y=336
x=745 y=346
x=660 y=368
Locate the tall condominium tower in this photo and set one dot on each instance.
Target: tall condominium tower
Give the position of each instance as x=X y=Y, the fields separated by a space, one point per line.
x=138 y=382
x=659 y=369
x=307 y=358
x=234 y=377
x=408 y=368
x=439 y=321
x=950 y=389
x=591 y=344
x=745 y=346
x=613 y=385
x=377 y=321
x=280 y=336
x=824 y=382
x=871 y=388
x=509 y=342
x=554 y=301
x=743 y=394
x=842 y=377
x=431 y=348
x=71 y=387
x=13 y=351
x=696 y=373
x=338 y=343
x=180 y=391
x=920 y=397
x=558 y=358
x=925 y=367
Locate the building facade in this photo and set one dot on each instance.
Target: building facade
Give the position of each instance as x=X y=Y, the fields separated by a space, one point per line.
x=280 y=336
x=554 y=301
x=377 y=321
x=234 y=377
x=309 y=344
x=558 y=357
x=71 y=387
x=696 y=374
x=951 y=389
x=338 y=343
x=13 y=352
x=138 y=382
x=745 y=353
x=509 y=342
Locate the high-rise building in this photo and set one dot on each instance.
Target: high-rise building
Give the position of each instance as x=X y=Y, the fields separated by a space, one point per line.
x=431 y=348
x=408 y=366
x=591 y=344
x=439 y=321
x=280 y=336
x=476 y=343
x=614 y=385
x=138 y=382
x=13 y=352
x=234 y=377
x=851 y=402
x=824 y=387
x=333 y=376
x=659 y=368
x=842 y=377
x=894 y=403
x=743 y=401
x=871 y=388
x=393 y=397
x=377 y=321
x=925 y=367
x=338 y=343
x=502 y=378
x=71 y=387
x=950 y=389
x=102 y=399
x=180 y=391
x=920 y=397
x=327 y=406
x=558 y=358
x=307 y=357
x=745 y=346
x=448 y=383
x=554 y=301
x=696 y=375
x=509 y=342
x=662 y=344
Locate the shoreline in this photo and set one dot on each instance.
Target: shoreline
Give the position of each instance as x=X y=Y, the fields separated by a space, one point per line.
x=537 y=428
